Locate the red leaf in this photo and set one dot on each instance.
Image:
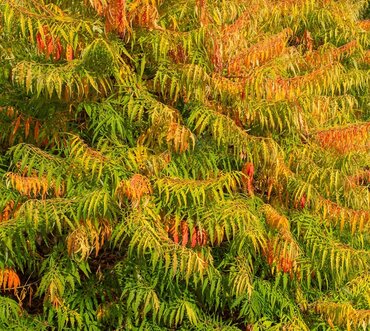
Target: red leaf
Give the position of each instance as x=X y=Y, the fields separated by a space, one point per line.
x=303 y=201
x=58 y=51
x=40 y=42
x=175 y=236
x=185 y=233
x=194 y=238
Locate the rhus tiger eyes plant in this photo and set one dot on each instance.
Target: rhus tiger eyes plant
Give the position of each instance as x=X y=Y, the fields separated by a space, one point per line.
x=184 y=165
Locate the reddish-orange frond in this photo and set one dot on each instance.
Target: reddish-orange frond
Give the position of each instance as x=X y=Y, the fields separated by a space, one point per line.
x=144 y=14
x=247 y=179
x=332 y=55
x=282 y=251
x=334 y=213
x=8 y=211
x=134 y=188
x=184 y=235
x=115 y=14
x=259 y=53
x=365 y=24
x=9 y=280
x=345 y=139
x=34 y=186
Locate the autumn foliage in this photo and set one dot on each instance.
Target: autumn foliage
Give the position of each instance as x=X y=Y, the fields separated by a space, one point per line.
x=184 y=165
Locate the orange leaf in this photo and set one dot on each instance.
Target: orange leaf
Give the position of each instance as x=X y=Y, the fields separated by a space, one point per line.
x=194 y=238
x=69 y=53
x=185 y=233
x=17 y=124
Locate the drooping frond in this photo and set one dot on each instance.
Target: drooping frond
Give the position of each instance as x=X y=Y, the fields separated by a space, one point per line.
x=344 y=314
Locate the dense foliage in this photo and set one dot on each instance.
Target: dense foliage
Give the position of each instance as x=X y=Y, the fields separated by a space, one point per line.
x=184 y=165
